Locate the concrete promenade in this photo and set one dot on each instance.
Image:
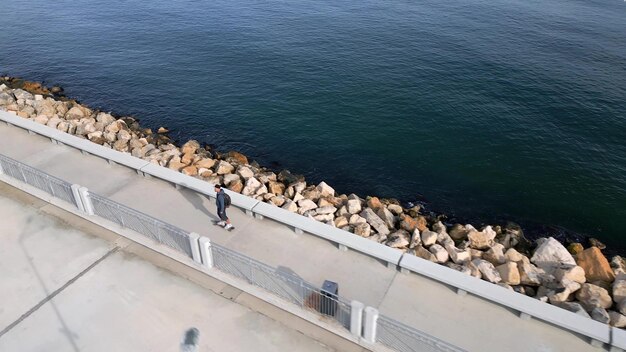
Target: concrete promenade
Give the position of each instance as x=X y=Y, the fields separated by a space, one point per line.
x=68 y=285
x=466 y=321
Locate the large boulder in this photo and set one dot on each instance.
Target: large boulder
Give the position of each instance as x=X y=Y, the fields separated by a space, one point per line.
x=529 y=274
x=75 y=113
x=387 y=217
x=353 y=206
x=237 y=157
x=509 y=273
x=495 y=254
x=429 y=238
x=458 y=256
x=375 y=221
x=595 y=264
x=251 y=187
x=487 y=270
x=276 y=187
x=458 y=232
x=305 y=205
x=512 y=255
x=190 y=147
x=550 y=254
x=363 y=229
x=591 y=296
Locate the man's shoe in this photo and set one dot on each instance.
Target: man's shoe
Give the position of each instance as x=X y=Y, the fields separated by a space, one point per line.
x=221 y=223
x=228 y=227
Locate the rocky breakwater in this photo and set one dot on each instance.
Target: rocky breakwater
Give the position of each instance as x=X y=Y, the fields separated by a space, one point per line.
x=577 y=279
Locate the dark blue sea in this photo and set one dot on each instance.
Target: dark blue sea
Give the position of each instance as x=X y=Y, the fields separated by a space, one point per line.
x=484 y=110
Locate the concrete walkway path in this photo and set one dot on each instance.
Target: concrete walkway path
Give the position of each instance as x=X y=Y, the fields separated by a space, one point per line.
x=468 y=322
x=63 y=289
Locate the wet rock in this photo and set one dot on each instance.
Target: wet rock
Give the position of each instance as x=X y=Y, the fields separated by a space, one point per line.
x=594 y=242
x=595 y=265
x=575 y=248
x=288 y=178
x=551 y=253
x=440 y=253
x=591 y=296
x=509 y=273
x=375 y=221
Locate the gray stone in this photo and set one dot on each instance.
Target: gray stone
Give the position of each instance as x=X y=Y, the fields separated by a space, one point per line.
x=483 y=239
x=22 y=94
x=363 y=230
x=326 y=210
x=230 y=178
x=398 y=239
x=6 y=99
x=601 y=315
x=395 y=209
x=290 y=206
x=423 y=253
x=575 y=308
x=529 y=274
x=619 y=290
x=325 y=190
x=458 y=256
x=224 y=167
x=574 y=273
x=356 y=219
x=416 y=239
x=353 y=206
x=551 y=253
x=375 y=221
x=617 y=320
x=387 y=216
x=495 y=254
x=251 y=187
x=306 y=205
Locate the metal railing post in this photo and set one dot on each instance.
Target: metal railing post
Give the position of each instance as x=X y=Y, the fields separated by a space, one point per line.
x=195 y=248
x=206 y=252
x=356 y=318
x=86 y=200
x=77 y=199
x=371 y=322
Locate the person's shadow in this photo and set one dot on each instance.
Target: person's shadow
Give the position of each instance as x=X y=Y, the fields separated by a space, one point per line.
x=197 y=200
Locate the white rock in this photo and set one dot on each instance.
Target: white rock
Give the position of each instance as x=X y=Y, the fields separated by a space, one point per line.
x=444 y=239
x=529 y=274
x=619 y=290
x=75 y=113
x=375 y=221
x=326 y=210
x=353 y=206
x=341 y=222
x=487 y=270
x=574 y=273
x=356 y=219
x=458 y=256
x=495 y=254
x=325 y=190
x=395 y=209
x=251 y=187
x=245 y=172
x=298 y=197
x=306 y=205
x=621 y=306
x=42 y=119
x=224 y=168
x=290 y=206
x=229 y=178
x=324 y=217
x=387 y=216
x=550 y=254
x=429 y=238
x=22 y=94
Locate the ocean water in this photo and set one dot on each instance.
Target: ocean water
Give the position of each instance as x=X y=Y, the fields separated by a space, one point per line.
x=485 y=110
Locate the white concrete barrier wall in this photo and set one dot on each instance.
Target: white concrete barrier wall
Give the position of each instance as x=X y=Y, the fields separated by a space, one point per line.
x=523 y=304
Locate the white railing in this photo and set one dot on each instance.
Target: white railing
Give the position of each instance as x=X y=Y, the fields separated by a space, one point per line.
x=598 y=333
x=288 y=286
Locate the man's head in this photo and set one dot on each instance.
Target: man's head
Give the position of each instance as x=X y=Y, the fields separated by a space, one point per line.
x=218 y=188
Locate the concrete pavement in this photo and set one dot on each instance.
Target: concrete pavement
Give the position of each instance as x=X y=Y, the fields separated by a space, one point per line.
x=64 y=289
x=469 y=322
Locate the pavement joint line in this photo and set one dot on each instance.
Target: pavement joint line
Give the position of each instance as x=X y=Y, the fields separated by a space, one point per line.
x=57 y=291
